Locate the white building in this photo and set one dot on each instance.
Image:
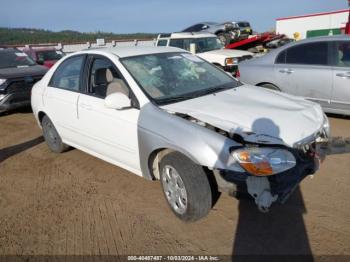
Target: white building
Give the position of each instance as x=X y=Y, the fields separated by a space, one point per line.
x=313 y=24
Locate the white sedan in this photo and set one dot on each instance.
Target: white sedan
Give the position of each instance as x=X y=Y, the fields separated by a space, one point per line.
x=163 y=113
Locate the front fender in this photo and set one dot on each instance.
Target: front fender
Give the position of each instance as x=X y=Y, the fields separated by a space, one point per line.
x=158 y=129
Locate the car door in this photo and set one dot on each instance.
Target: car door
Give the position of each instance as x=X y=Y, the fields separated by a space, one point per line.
x=304 y=70
x=341 y=76
x=61 y=97
x=109 y=133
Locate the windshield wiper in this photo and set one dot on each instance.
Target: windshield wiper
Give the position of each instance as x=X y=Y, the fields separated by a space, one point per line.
x=173 y=99
x=192 y=95
x=211 y=90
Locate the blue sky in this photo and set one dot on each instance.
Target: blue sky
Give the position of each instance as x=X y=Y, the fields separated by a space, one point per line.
x=152 y=15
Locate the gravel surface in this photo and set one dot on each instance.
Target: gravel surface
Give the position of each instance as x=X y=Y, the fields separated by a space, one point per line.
x=76 y=204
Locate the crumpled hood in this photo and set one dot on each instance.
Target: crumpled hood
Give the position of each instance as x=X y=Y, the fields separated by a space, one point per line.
x=276 y=117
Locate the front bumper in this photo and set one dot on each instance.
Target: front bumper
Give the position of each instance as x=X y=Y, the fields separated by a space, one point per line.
x=280 y=185
x=15 y=100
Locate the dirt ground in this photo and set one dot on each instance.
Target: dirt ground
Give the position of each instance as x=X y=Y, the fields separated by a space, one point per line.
x=73 y=203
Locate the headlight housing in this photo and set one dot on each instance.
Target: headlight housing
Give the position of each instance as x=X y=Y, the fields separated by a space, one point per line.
x=2 y=80
x=231 y=61
x=264 y=161
x=326 y=126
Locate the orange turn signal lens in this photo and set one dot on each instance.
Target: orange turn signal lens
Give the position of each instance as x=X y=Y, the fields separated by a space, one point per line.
x=262 y=168
x=259 y=169
x=229 y=61
x=264 y=161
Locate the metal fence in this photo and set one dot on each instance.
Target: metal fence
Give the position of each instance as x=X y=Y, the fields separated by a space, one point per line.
x=74 y=47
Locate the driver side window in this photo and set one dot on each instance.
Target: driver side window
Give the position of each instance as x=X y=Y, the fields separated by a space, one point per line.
x=105 y=80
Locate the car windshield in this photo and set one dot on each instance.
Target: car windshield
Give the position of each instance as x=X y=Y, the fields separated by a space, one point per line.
x=203 y=44
x=47 y=55
x=173 y=77
x=14 y=58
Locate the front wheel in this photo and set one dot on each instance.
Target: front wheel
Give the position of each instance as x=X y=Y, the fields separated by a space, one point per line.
x=185 y=186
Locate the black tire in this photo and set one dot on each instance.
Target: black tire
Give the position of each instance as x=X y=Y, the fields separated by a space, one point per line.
x=270 y=86
x=52 y=138
x=195 y=183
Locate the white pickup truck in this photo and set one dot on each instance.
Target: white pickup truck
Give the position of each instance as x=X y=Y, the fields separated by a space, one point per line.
x=206 y=46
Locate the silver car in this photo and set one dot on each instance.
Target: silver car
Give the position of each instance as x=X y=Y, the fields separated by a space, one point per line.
x=317 y=69
x=165 y=114
x=226 y=31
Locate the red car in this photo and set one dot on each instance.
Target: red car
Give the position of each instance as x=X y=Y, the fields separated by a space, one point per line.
x=46 y=56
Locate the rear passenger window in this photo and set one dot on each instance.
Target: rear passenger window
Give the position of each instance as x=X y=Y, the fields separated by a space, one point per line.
x=177 y=43
x=67 y=75
x=308 y=54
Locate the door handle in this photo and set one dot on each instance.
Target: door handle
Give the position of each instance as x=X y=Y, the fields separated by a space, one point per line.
x=287 y=71
x=344 y=75
x=86 y=106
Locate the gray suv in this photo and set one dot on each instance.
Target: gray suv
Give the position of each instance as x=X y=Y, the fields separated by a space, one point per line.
x=316 y=68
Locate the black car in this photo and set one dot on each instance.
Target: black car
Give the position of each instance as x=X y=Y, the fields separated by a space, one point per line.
x=18 y=73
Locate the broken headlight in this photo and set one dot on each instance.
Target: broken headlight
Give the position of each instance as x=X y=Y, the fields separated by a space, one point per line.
x=264 y=161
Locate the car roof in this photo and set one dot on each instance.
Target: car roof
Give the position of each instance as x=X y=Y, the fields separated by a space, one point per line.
x=312 y=40
x=209 y=23
x=188 y=35
x=325 y=38
x=128 y=51
x=10 y=49
x=38 y=49
x=7 y=48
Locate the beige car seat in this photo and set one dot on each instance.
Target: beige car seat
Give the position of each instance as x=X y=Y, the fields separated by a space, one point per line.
x=115 y=84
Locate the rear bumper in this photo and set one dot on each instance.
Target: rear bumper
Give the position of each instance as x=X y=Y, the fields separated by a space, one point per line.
x=15 y=100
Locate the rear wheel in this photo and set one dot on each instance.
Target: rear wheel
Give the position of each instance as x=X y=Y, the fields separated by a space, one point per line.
x=270 y=86
x=52 y=138
x=185 y=187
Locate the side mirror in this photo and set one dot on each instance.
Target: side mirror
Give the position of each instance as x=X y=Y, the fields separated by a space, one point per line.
x=205 y=27
x=193 y=48
x=117 y=101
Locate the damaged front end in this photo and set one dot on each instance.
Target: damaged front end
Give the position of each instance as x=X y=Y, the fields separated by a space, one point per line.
x=267 y=187
x=269 y=170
